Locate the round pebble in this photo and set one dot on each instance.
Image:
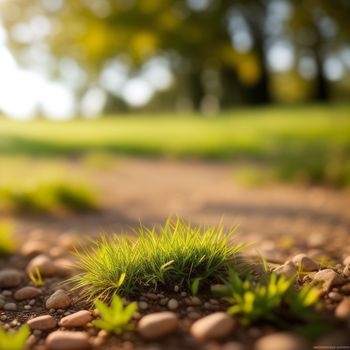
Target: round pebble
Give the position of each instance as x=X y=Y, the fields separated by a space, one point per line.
x=157 y=325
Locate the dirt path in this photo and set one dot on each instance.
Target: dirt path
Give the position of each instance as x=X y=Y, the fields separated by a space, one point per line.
x=150 y=190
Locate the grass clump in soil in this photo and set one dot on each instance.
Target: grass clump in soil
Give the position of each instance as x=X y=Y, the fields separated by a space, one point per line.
x=275 y=299
x=175 y=254
x=53 y=197
x=115 y=319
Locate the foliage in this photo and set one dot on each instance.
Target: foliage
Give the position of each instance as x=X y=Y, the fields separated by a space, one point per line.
x=274 y=299
x=173 y=254
x=36 y=278
x=7 y=244
x=48 y=198
x=115 y=319
x=14 y=340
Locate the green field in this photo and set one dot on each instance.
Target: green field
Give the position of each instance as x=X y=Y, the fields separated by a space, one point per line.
x=310 y=143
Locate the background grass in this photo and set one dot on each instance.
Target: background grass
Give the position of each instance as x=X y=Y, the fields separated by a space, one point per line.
x=310 y=144
x=54 y=197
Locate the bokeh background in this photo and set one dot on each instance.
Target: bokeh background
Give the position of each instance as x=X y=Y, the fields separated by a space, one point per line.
x=115 y=111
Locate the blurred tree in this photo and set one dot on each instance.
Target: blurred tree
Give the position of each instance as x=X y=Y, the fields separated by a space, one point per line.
x=216 y=48
x=322 y=27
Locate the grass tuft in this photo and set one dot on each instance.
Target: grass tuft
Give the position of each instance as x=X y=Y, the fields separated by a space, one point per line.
x=274 y=299
x=115 y=319
x=174 y=254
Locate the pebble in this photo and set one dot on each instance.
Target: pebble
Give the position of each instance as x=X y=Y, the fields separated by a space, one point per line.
x=343 y=309
x=78 y=319
x=64 y=267
x=58 y=300
x=42 y=323
x=346 y=261
x=346 y=288
x=67 y=340
x=335 y=296
x=157 y=325
x=346 y=271
x=33 y=247
x=305 y=263
x=151 y=296
x=163 y=301
x=10 y=278
x=329 y=278
x=214 y=326
x=193 y=301
x=176 y=289
x=233 y=345
x=143 y=305
x=287 y=270
x=6 y=293
x=44 y=263
x=27 y=307
x=173 y=304
x=27 y=293
x=281 y=341
x=10 y=307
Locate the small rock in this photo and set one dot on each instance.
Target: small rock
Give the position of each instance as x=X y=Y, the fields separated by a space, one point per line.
x=10 y=307
x=195 y=301
x=27 y=293
x=78 y=319
x=42 y=323
x=64 y=267
x=6 y=293
x=151 y=296
x=346 y=288
x=173 y=304
x=58 y=300
x=343 y=309
x=329 y=278
x=335 y=296
x=281 y=341
x=287 y=270
x=346 y=271
x=33 y=247
x=214 y=326
x=67 y=340
x=233 y=345
x=163 y=301
x=158 y=324
x=10 y=278
x=305 y=263
x=346 y=261
x=45 y=265
x=176 y=289
x=142 y=305
x=27 y=307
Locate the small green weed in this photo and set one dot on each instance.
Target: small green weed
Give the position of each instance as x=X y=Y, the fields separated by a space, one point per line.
x=7 y=244
x=274 y=299
x=36 y=278
x=115 y=319
x=48 y=198
x=175 y=254
x=14 y=340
